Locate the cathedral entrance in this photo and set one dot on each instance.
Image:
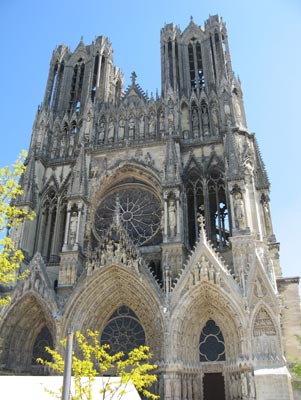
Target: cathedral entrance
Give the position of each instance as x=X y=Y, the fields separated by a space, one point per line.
x=214 y=386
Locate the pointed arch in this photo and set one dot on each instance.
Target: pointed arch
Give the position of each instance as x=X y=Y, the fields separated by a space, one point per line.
x=266 y=343
x=96 y=298
x=201 y=303
x=47 y=221
x=21 y=327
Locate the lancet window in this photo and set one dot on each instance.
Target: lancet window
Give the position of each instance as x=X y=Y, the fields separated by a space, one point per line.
x=207 y=196
x=43 y=339
x=94 y=80
x=56 y=85
x=47 y=224
x=197 y=79
x=76 y=86
x=123 y=331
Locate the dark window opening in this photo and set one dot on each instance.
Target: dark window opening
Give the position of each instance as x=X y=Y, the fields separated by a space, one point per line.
x=170 y=64
x=201 y=79
x=207 y=197
x=191 y=67
x=43 y=339
x=212 y=345
x=53 y=86
x=94 y=80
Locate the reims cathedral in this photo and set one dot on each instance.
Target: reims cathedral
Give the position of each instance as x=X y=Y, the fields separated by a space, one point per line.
x=153 y=224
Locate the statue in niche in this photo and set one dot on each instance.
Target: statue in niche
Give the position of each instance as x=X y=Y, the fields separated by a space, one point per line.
x=237 y=108
x=121 y=129
x=205 y=120
x=227 y=114
x=141 y=126
x=111 y=131
x=71 y=144
x=172 y=218
x=239 y=213
x=161 y=121
x=101 y=133
x=152 y=124
x=38 y=139
x=267 y=217
x=170 y=123
x=63 y=146
x=214 y=118
x=54 y=146
x=72 y=228
x=195 y=123
x=131 y=128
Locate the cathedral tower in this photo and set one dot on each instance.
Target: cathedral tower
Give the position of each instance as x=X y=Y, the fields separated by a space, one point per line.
x=153 y=214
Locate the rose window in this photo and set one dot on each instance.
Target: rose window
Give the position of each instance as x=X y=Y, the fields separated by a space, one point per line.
x=123 y=332
x=138 y=211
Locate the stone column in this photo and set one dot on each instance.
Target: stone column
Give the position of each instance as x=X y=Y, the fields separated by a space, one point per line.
x=178 y=215
x=75 y=247
x=65 y=246
x=165 y=216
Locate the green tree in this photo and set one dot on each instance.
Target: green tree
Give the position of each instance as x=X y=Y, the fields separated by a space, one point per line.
x=10 y=217
x=296 y=370
x=95 y=360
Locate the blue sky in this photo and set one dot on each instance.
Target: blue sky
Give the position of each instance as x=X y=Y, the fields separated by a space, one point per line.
x=264 y=38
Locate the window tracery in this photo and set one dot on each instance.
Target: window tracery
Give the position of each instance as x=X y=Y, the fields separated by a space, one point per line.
x=212 y=345
x=139 y=212
x=43 y=339
x=123 y=331
x=263 y=324
x=207 y=197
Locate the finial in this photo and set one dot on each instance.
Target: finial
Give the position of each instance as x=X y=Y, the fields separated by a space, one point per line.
x=133 y=78
x=191 y=18
x=82 y=38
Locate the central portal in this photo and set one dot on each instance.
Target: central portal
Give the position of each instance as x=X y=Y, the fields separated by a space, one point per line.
x=214 y=386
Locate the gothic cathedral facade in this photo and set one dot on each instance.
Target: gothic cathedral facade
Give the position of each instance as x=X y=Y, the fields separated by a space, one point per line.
x=153 y=224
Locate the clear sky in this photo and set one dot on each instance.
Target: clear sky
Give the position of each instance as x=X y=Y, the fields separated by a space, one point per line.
x=264 y=38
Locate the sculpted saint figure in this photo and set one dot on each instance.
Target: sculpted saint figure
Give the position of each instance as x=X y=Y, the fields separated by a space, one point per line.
x=239 y=214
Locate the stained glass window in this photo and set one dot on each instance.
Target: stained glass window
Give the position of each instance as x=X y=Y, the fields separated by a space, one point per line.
x=123 y=332
x=43 y=339
x=139 y=210
x=212 y=346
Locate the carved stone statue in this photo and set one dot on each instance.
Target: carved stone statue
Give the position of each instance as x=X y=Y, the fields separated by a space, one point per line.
x=239 y=213
x=152 y=124
x=204 y=268
x=141 y=126
x=161 y=121
x=131 y=128
x=205 y=120
x=214 y=119
x=72 y=228
x=101 y=133
x=172 y=218
x=267 y=218
x=195 y=120
x=121 y=129
x=111 y=131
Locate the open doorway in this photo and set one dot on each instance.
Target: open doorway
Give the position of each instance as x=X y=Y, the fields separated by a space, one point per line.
x=214 y=386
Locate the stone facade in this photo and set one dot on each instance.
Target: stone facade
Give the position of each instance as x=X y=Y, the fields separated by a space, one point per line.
x=153 y=224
